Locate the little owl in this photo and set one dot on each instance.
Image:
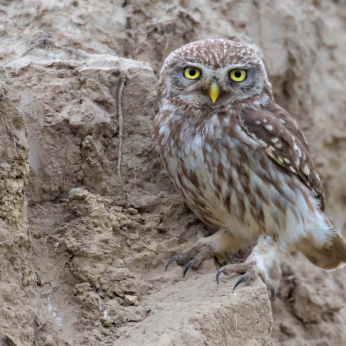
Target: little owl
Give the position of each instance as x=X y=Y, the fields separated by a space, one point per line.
x=240 y=161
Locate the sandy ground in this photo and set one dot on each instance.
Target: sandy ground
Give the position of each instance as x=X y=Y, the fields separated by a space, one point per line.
x=82 y=252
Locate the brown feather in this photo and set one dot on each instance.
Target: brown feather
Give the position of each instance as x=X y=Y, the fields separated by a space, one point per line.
x=277 y=133
x=330 y=256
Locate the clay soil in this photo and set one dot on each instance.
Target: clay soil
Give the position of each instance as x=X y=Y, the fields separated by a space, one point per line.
x=83 y=249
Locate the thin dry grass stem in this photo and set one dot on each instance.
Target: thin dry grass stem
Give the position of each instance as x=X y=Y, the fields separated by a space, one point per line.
x=167 y=42
x=121 y=129
x=65 y=169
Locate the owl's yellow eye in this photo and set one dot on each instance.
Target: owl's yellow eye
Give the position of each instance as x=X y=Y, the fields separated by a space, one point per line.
x=192 y=73
x=238 y=75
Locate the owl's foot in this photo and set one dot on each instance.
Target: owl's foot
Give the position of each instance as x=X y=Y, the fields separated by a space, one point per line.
x=250 y=271
x=257 y=264
x=218 y=244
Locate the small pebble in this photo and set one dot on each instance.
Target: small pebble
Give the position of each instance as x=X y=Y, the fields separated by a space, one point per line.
x=132 y=211
x=131 y=300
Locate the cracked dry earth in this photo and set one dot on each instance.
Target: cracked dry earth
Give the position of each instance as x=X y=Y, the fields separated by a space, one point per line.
x=81 y=263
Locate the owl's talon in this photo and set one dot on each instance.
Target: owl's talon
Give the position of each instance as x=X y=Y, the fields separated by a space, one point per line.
x=188 y=266
x=272 y=292
x=202 y=249
x=217 y=275
x=244 y=277
x=249 y=271
x=171 y=261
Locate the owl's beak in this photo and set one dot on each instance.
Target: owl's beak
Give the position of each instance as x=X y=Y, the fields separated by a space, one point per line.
x=214 y=91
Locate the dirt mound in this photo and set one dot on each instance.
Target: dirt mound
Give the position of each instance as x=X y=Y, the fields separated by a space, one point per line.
x=83 y=247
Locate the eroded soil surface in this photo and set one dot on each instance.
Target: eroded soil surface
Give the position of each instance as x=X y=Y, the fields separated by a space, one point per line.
x=83 y=251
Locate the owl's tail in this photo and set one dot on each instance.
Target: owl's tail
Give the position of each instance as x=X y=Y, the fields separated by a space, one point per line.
x=330 y=255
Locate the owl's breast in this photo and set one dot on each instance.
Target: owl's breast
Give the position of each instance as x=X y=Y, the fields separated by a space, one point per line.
x=208 y=173
x=227 y=181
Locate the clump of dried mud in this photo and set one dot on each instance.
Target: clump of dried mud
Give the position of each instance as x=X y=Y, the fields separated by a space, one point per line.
x=82 y=261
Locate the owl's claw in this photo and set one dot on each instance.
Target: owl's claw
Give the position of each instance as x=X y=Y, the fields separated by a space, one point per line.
x=171 y=261
x=241 y=279
x=218 y=244
x=194 y=256
x=244 y=277
x=181 y=261
x=178 y=260
x=272 y=292
x=249 y=271
x=217 y=276
x=188 y=266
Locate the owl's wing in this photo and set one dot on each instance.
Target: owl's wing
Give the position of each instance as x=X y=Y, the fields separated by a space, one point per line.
x=278 y=134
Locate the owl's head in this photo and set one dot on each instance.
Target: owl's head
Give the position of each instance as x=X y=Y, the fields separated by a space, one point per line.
x=214 y=74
